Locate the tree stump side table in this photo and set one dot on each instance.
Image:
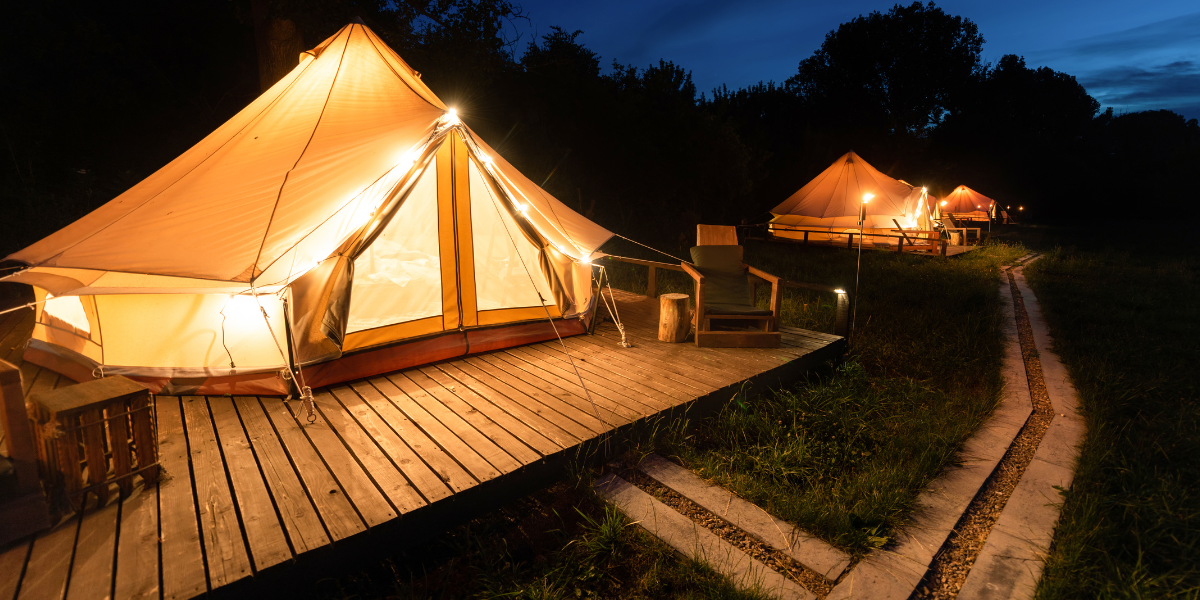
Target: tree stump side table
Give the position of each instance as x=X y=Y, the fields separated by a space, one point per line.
x=92 y=435
x=674 y=317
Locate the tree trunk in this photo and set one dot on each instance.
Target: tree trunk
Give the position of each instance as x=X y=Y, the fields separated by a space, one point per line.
x=278 y=43
x=675 y=317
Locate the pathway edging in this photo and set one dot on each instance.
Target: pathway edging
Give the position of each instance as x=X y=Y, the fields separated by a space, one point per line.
x=896 y=572
x=1011 y=561
x=695 y=541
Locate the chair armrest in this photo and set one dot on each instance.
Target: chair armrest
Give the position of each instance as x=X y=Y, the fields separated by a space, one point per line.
x=690 y=270
x=762 y=274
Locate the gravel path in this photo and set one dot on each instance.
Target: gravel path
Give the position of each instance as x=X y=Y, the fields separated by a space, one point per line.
x=957 y=556
x=780 y=562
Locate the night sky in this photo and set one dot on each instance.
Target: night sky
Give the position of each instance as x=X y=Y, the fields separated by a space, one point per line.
x=1131 y=55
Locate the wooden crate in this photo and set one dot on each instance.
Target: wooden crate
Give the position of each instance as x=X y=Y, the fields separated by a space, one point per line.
x=92 y=435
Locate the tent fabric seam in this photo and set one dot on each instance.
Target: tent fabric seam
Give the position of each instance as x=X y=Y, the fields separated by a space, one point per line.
x=250 y=122
x=312 y=135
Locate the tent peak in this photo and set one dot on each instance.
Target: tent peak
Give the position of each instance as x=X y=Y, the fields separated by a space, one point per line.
x=358 y=20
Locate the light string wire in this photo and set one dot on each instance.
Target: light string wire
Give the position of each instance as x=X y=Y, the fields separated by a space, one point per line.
x=549 y=317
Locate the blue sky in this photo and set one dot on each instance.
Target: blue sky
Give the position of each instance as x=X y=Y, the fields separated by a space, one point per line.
x=1130 y=55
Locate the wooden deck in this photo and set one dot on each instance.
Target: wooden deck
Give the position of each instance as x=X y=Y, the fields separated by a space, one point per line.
x=251 y=494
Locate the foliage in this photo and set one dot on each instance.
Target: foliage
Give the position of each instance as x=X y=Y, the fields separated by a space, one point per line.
x=898 y=72
x=559 y=543
x=1124 y=324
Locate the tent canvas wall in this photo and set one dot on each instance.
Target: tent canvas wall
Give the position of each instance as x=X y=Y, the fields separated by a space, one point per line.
x=828 y=206
x=966 y=203
x=345 y=221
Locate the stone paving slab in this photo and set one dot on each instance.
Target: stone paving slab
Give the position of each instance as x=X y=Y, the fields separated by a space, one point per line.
x=776 y=533
x=1005 y=569
x=895 y=573
x=695 y=541
x=1011 y=561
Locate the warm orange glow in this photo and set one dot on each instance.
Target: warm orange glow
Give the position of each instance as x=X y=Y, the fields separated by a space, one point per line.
x=451 y=117
x=867 y=198
x=1020 y=208
x=68 y=309
x=944 y=203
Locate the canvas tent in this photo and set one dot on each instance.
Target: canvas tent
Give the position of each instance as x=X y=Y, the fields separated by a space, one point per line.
x=345 y=221
x=966 y=203
x=828 y=206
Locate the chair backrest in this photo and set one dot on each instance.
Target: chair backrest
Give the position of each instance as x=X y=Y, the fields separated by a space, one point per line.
x=716 y=235
x=724 y=274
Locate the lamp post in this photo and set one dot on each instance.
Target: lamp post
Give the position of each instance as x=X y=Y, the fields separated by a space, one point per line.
x=862 y=217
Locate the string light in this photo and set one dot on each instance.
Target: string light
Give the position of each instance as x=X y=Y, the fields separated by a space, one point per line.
x=867 y=198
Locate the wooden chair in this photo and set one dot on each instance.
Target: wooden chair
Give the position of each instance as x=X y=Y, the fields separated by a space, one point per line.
x=724 y=294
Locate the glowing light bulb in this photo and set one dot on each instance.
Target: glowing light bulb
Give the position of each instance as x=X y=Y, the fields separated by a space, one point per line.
x=485 y=159
x=451 y=117
x=867 y=198
x=523 y=209
x=839 y=291
x=944 y=203
x=925 y=190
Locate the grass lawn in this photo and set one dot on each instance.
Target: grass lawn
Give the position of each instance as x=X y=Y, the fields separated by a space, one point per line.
x=1126 y=324
x=843 y=456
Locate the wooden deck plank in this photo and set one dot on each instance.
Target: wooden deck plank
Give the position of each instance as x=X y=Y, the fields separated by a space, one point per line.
x=305 y=531
x=137 y=546
x=12 y=561
x=92 y=569
x=632 y=379
x=264 y=532
x=372 y=505
x=183 y=574
x=220 y=528
x=423 y=478
x=462 y=453
x=485 y=446
x=609 y=383
x=515 y=438
x=619 y=414
x=683 y=376
x=45 y=380
x=582 y=425
x=602 y=416
x=524 y=424
x=739 y=360
x=701 y=358
x=340 y=518
x=387 y=476
x=471 y=458
x=377 y=405
x=50 y=562
x=12 y=343
x=595 y=386
x=561 y=430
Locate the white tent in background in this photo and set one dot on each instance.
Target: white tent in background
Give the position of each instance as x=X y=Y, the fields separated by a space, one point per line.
x=828 y=206
x=346 y=220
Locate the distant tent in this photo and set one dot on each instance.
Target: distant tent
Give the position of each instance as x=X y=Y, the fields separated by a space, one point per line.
x=828 y=206
x=346 y=221
x=966 y=203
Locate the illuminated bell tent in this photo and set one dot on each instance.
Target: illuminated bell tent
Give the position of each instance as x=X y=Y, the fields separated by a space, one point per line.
x=828 y=206
x=346 y=222
x=966 y=203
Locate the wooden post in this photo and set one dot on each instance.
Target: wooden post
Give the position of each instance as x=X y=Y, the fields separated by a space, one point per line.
x=850 y=242
x=900 y=245
x=652 y=284
x=943 y=244
x=24 y=510
x=805 y=236
x=674 y=318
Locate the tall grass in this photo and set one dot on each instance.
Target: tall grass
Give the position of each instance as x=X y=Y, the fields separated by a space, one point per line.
x=845 y=457
x=1126 y=325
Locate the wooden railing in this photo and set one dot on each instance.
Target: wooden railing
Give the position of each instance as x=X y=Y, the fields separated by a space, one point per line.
x=841 y=320
x=902 y=238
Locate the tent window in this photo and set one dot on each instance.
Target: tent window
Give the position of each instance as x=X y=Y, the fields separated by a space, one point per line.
x=501 y=281
x=399 y=277
x=68 y=309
